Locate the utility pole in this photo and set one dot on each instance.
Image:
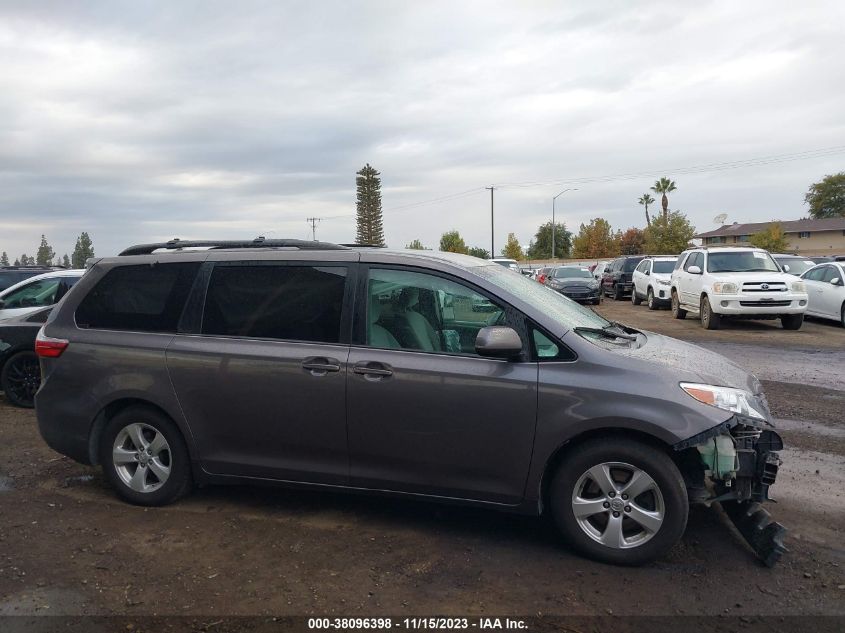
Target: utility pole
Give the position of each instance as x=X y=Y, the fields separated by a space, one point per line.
x=554 y=226
x=492 y=231
x=313 y=222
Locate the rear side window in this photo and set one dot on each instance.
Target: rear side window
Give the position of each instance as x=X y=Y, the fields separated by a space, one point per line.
x=144 y=298
x=295 y=303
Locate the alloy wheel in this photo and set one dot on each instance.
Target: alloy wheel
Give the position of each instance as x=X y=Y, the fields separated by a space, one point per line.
x=618 y=505
x=23 y=378
x=142 y=457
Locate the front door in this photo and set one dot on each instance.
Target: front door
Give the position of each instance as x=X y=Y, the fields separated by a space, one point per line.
x=263 y=387
x=426 y=413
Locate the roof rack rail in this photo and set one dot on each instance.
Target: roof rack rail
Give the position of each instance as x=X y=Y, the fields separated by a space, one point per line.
x=363 y=245
x=258 y=242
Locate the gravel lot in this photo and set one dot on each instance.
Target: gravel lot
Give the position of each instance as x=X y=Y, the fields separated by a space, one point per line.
x=68 y=546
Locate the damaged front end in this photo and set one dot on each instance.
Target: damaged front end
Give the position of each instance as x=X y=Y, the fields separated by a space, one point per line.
x=740 y=458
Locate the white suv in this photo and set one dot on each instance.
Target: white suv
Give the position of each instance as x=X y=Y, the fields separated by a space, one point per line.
x=740 y=282
x=651 y=281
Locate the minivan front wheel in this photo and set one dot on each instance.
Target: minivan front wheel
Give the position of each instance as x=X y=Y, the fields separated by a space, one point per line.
x=144 y=457
x=619 y=501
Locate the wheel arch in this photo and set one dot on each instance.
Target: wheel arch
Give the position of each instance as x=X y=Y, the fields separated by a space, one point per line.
x=573 y=442
x=118 y=405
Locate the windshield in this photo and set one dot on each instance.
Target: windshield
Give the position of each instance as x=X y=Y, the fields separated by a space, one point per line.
x=796 y=266
x=542 y=298
x=741 y=262
x=630 y=264
x=664 y=266
x=568 y=273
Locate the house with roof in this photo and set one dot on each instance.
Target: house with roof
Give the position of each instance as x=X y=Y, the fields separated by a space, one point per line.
x=805 y=237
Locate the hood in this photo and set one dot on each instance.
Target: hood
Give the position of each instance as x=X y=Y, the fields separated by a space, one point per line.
x=573 y=281
x=694 y=362
x=754 y=275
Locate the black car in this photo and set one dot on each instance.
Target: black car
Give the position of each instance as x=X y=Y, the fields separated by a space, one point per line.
x=10 y=275
x=574 y=282
x=617 y=279
x=20 y=375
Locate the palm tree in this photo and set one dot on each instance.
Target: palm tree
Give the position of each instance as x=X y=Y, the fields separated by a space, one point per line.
x=645 y=201
x=664 y=186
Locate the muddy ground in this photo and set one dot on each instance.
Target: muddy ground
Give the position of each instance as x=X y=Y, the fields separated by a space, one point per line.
x=68 y=546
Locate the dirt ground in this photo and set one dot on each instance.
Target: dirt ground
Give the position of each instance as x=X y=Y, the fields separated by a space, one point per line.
x=68 y=546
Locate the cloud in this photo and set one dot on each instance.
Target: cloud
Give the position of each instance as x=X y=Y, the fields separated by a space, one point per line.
x=139 y=121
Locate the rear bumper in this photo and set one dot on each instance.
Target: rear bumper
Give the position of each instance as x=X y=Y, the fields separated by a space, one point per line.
x=65 y=421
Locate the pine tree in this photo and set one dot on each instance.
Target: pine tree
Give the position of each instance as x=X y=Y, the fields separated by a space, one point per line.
x=66 y=261
x=25 y=260
x=368 y=203
x=45 y=254
x=4 y=259
x=83 y=250
x=416 y=245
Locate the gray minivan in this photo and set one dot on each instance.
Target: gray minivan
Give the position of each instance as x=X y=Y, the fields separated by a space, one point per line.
x=324 y=366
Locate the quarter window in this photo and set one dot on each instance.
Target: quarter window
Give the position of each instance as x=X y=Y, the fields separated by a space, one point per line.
x=415 y=311
x=296 y=303
x=144 y=298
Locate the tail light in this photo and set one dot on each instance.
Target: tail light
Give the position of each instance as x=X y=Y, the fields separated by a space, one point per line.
x=47 y=347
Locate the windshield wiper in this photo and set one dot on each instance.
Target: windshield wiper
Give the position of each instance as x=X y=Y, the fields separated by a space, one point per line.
x=608 y=331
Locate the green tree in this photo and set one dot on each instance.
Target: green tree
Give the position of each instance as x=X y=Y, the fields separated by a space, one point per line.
x=368 y=205
x=664 y=186
x=452 y=242
x=66 y=261
x=827 y=198
x=595 y=240
x=646 y=200
x=541 y=246
x=512 y=249
x=45 y=254
x=669 y=234
x=4 y=259
x=772 y=238
x=416 y=245
x=83 y=250
x=26 y=260
x=477 y=251
x=632 y=242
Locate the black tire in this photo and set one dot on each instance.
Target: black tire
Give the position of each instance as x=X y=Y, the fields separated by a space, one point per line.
x=654 y=463
x=179 y=481
x=20 y=379
x=677 y=311
x=709 y=319
x=842 y=315
x=635 y=299
x=618 y=293
x=792 y=321
x=651 y=302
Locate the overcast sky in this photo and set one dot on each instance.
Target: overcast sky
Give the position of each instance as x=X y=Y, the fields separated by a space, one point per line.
x=139 y=121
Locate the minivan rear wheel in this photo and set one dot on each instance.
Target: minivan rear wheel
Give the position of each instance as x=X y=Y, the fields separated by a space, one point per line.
x=144 y=457
x=619 y=501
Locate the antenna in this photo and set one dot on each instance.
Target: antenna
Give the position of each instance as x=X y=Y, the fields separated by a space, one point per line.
x=720 y=219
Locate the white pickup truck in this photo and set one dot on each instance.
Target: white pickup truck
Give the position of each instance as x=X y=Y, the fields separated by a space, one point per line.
x=739 y=282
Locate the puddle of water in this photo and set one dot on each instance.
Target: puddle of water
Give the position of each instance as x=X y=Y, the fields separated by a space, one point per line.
x=6 y=484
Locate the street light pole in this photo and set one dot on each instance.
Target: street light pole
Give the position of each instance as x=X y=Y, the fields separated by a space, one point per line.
x=492 y=236
x=554 y=226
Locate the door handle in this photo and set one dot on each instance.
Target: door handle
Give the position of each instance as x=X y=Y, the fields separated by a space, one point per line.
x=320 y=366
x=373 y=370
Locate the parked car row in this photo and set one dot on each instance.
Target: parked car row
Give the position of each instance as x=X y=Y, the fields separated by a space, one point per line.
x=412 y=374
x=718 y=283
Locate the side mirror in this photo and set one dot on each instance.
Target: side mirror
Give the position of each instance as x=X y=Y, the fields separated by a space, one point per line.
x=648 y=273
x=694 y=270
x=498 y=341
x=786 y=268
x=836 y=281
